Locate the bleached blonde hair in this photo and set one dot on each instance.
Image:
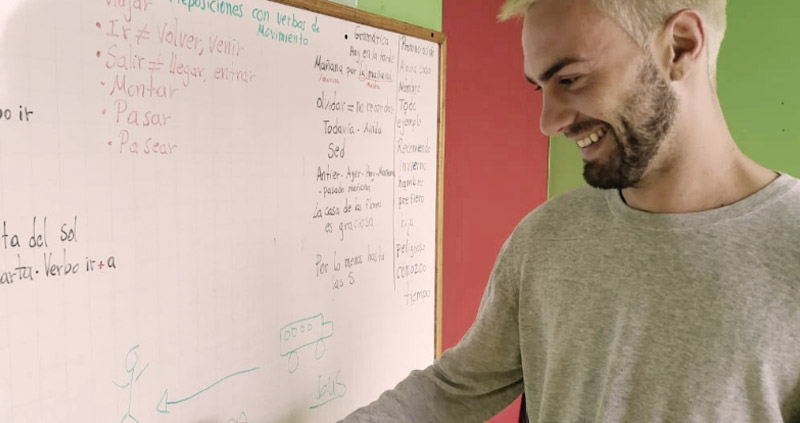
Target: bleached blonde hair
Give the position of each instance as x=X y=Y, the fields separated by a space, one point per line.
x=642 y=19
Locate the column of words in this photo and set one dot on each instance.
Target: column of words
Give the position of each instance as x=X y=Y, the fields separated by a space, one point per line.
x=415 y=154
x=150 y=62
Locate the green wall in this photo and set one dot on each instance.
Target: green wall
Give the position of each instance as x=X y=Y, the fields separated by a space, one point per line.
x=566 y=166
x=424 y=13
x=758 y=81
x=758 y=87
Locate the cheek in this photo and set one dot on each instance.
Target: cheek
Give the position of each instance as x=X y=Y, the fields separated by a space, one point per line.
x=605 y=95
x=598 y=104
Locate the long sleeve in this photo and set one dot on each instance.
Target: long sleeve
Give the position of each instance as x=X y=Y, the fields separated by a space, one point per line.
x=475 y=379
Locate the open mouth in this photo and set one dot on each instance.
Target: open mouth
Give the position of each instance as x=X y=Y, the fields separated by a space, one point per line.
x=592 y=138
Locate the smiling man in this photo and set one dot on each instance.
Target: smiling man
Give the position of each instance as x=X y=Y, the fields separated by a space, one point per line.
x=666 y=291
x=641 y=74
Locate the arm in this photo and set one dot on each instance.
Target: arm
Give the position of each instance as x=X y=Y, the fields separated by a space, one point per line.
x=475 y=379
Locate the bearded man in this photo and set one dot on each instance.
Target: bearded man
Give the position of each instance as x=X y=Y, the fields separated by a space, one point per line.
x=666 y=291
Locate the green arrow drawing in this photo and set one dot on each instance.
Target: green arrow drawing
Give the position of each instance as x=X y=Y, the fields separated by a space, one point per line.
x=164 y=403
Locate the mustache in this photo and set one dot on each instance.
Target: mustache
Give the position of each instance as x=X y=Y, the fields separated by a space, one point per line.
x=581 y=127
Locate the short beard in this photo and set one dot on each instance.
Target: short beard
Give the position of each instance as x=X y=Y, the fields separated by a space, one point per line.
x=646 y=116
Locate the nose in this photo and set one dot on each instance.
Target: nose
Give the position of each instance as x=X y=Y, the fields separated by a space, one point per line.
x=556 y=115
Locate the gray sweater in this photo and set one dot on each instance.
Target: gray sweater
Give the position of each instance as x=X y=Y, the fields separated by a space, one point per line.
x=603 y=313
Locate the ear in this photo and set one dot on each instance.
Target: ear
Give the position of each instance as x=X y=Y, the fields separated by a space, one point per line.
x=681 y=42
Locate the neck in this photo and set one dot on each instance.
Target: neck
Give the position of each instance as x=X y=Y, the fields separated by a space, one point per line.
x=698 y=168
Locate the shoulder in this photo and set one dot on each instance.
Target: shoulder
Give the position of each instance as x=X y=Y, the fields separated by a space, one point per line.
x=782 y=207
x=782 y=197
x=576 y=207
x=565 y=215
x=789 y=188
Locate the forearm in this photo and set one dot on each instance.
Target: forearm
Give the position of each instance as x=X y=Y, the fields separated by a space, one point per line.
x=472 y=381
x=428 y=396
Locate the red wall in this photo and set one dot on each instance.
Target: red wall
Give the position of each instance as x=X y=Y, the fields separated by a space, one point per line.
x=495 y=157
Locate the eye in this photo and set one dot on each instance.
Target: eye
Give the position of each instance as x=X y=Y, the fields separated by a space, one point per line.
x=568 y=80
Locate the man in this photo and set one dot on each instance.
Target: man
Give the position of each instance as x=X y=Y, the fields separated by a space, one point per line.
x=670 y=294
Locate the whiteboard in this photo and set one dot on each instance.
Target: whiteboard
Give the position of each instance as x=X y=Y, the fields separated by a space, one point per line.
x=212 y=211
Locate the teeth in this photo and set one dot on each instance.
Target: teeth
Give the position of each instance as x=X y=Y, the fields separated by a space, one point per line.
x=592 y=138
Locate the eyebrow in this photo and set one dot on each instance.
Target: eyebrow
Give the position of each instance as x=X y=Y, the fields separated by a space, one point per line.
x=552 y=70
